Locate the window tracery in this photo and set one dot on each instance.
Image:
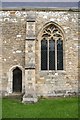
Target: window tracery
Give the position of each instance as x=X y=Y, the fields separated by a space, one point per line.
x=52 y=48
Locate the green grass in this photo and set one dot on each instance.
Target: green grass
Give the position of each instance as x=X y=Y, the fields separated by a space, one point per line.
x=45 y=108
x=0 y=108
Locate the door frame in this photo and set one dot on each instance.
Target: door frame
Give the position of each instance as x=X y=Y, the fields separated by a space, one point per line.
x=10 y=79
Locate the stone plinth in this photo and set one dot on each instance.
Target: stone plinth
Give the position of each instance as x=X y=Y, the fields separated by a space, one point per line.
x=29 y=99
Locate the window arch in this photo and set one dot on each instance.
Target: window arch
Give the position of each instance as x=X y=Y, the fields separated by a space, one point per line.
x=52 y=48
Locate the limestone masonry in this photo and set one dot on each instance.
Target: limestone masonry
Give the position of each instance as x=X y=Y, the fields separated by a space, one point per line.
x=20 y=41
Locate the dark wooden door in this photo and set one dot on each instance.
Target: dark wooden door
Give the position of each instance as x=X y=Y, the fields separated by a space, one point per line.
x=17 y=80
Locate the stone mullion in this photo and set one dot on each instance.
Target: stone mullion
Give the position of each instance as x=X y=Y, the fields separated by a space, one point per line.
x=55 y=55
x=48 y=54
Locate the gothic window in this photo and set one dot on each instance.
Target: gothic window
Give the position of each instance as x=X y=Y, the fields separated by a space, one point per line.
x=52 y=48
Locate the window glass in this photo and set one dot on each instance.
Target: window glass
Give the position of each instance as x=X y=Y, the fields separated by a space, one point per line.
x=44 y=55
x=51 y=54
x=59 y=54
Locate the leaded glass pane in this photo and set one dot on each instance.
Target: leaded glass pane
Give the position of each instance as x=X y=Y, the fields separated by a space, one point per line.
x=51 y=54
x=59 y=54
x=44 y=55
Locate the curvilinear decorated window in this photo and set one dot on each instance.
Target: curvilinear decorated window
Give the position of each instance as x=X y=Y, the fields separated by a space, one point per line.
x=52 y=48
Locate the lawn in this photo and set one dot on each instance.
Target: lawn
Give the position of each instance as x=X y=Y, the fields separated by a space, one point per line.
x=0 y=108
x=45 y=108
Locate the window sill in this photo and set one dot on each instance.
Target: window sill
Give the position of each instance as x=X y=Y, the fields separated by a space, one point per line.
x=53 y=71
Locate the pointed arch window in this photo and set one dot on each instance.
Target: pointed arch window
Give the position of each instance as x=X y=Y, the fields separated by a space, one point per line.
x=52 y=48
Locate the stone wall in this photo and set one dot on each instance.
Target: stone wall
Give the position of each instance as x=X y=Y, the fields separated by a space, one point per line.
x=48 y=83
x=60 y=82
x=13 y=33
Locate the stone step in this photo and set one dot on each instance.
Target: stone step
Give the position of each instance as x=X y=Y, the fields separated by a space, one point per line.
x=17 y=96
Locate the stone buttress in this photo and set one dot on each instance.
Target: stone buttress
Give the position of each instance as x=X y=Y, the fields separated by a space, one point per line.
x=30 y=92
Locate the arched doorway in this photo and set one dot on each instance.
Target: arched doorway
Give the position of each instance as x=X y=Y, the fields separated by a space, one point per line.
x=17 y=80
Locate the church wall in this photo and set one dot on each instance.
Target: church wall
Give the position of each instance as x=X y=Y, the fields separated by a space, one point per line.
x=48 y=83
x=64 y=82
x=13 y=45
